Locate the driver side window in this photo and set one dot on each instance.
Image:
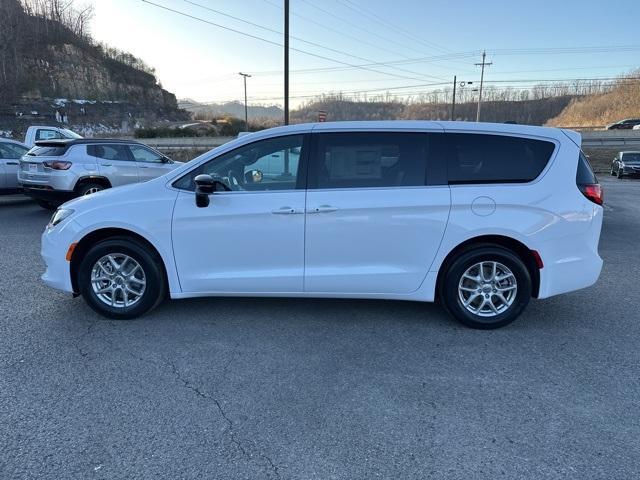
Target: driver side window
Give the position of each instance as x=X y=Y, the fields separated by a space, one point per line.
x=270 y=164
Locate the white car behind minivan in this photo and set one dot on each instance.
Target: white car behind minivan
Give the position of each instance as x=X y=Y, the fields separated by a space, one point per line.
x=480 y=216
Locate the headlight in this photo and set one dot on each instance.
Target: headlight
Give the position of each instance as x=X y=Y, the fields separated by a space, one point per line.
x=59 y=215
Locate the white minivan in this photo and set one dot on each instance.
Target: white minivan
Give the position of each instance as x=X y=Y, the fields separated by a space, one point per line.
x=480 y=216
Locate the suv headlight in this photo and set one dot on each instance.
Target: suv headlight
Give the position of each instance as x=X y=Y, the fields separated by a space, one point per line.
x=59 y=215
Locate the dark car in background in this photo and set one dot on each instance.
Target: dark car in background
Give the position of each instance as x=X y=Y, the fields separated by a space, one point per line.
x=626 y=124
x=626 y=163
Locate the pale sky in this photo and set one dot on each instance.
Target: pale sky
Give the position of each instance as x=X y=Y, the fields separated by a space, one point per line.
x=198 y=60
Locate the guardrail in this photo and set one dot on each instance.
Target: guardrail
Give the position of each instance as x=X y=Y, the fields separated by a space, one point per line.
x=603 y=138
x=184 y=143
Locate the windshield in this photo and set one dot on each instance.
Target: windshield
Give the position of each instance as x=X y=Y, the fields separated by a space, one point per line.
x=70 y=134
x=631 y=157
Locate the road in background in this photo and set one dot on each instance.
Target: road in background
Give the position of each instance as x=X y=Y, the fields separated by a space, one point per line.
x=317 y=389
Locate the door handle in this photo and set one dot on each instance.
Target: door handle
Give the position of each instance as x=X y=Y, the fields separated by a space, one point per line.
x=323 y=209
x=285 y=211
x=12 y=163
x=106 y=165
x=142 y=166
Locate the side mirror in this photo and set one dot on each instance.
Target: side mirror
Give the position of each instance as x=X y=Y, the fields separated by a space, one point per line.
x=253 y=176
x=205 y=186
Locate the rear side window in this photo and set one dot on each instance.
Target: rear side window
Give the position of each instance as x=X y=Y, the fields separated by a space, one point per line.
x=371 y=159
x=46 y=151
x=43 y=134
x=480 y=158
x=585 y=175
x=109 y=151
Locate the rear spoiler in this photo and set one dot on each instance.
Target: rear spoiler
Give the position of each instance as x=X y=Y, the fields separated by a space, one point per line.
x=53 y=143
x=574 y=136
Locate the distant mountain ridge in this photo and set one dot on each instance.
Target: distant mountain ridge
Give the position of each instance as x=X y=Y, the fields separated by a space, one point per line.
x=207 y=111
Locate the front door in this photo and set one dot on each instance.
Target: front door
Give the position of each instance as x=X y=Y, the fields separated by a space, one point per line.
x=249 y=239
x=150 y=164
x=373 y=224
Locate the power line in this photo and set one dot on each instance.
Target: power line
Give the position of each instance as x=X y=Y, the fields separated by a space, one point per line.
x=340 y=52
x=381 y=21
x=193 y=17
x=346 y=35
x=354 y=25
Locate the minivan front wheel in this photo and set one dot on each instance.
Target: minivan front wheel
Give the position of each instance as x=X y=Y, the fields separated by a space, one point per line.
x=120 y=279
x=487 y=287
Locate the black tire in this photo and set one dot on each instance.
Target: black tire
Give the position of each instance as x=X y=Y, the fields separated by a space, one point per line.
x=46 y=205
x=87 y=188
x=151 y=264
x=451 y=280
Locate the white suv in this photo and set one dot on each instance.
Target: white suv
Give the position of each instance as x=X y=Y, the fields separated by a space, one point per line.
x=481 y=216
x=57 y=170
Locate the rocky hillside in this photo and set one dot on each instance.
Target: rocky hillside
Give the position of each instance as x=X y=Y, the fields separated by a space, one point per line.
x=62 y=74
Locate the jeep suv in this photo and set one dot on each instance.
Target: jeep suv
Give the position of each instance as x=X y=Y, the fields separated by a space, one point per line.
x=55 y=171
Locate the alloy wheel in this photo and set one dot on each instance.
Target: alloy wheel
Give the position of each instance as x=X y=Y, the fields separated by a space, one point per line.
x=118 y=280
x=487 y=289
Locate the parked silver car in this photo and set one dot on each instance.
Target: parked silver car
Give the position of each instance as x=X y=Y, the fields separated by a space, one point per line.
x=10 y=153
x=55 y=171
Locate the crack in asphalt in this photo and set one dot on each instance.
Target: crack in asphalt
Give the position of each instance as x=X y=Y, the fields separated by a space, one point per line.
x=78 y=344
x=230 y=429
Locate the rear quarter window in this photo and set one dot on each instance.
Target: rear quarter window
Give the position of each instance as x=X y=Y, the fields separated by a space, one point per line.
x=482 y=158
x=46 y=151
x=585 y=175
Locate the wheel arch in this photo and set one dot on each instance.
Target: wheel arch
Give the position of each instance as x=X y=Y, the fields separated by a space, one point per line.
x=525 y=254
x=99 y=179
x=91 y=238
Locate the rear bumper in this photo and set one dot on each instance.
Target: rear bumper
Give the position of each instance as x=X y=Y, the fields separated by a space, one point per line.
x=572 y=263
x=49 y=195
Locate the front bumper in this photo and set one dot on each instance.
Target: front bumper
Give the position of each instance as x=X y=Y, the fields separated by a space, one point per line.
x=55 y=244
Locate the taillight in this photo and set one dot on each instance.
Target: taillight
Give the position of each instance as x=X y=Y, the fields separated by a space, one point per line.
x=593 y=192
x=57 y=165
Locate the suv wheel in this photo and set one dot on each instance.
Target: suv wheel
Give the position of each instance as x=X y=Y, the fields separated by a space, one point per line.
x=120 y=279
x=487 y=287
x=89 y=188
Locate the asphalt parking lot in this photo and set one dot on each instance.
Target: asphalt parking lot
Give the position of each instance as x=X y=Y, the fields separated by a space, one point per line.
x=279 y=388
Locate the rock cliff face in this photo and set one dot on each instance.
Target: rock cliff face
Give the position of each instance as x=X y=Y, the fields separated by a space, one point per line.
x=66 y=71
x=53 y=72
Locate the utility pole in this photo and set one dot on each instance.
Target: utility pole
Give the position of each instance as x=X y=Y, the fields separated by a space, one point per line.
x=453 y=104
x=483 y=64
x=246 y=115
x=286 y=62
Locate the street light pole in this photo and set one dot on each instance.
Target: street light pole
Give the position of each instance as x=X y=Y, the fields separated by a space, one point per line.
x=246 y=114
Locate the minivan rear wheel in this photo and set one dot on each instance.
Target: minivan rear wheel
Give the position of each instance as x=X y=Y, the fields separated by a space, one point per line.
x=120 y=279
x=486 y=287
